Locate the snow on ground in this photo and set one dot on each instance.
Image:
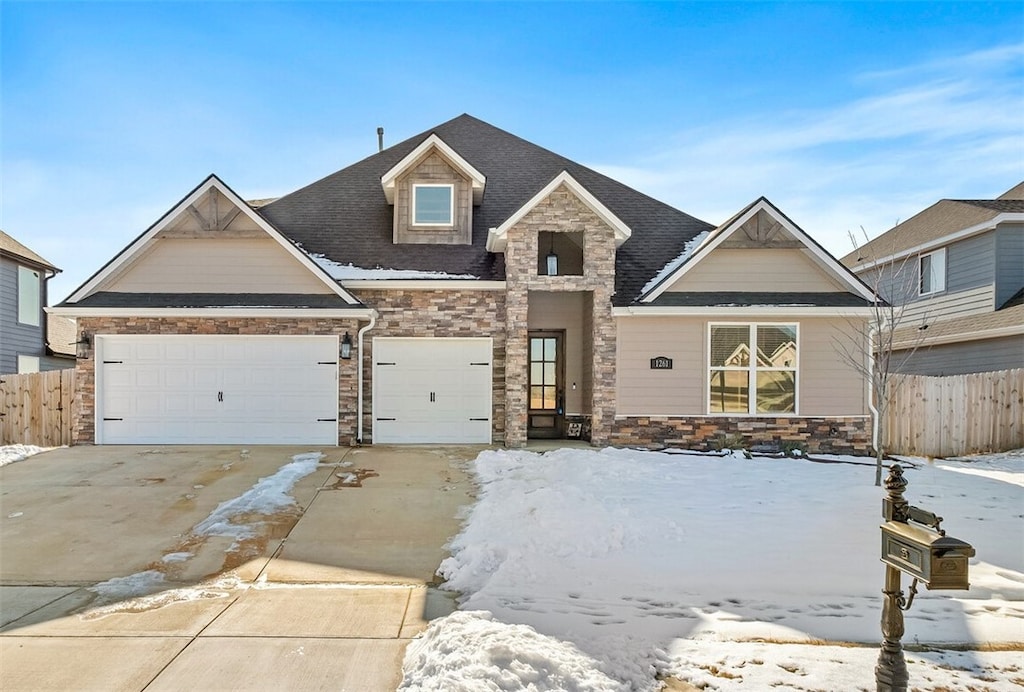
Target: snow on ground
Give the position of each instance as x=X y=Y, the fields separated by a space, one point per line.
x=12 y=453
x=267 y=496
x=623 y=564
x=238 y=518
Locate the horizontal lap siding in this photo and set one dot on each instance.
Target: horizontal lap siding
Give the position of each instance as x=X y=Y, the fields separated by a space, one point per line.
x=1009 y=262
x=963 y=358
x=248 y=265
x=752 y=270
x=643 y=391
x=827 y=385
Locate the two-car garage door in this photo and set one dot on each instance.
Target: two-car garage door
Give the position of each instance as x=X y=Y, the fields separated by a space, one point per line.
x=217 y=390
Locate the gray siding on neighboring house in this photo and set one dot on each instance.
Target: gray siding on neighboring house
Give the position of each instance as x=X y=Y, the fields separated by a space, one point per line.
x=964 y=358
x=971 y=262
x=16 y=338
x=1009 y=261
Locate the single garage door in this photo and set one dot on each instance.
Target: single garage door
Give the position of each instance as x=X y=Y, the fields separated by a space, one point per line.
x=217 y=390
x=431 y=390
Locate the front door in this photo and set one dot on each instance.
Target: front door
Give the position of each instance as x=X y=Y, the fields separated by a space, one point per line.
x=546 y=418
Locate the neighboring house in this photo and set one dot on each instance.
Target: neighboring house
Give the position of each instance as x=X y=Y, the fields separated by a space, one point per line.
x=958 y=269
x=26 y=341
x=467 y=286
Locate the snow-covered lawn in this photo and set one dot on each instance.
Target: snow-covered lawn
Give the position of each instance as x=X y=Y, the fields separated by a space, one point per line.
x=599 y=570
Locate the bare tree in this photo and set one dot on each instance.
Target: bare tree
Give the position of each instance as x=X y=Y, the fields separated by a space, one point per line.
x=878 y=348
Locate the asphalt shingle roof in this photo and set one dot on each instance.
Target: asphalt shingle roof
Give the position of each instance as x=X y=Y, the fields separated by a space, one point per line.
x=346 y=217
x=10 y=246
x=943 y=218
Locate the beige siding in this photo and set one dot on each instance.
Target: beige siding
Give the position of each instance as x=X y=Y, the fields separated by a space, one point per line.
x=762 y=269
x=942 y=306
x=216 y=266
x=827 y=385
x=642 y=391
x=557 y=311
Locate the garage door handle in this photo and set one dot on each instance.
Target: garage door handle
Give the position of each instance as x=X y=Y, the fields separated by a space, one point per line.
x=433 y=397
x=220 y=396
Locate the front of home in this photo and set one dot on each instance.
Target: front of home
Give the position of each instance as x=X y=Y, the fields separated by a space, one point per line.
x=467 y=286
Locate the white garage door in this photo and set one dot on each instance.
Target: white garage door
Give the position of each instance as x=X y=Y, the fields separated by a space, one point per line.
x=432 y=390
x=217 y=390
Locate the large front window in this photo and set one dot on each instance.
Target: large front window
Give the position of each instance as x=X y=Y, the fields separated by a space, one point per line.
x=433 y=205
x=752 y=368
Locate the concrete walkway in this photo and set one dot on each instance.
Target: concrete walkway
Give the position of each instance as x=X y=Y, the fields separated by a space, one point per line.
x=325 y=596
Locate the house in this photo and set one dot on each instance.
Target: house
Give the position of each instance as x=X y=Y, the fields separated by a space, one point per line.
x=30 y=341
x=957 y=270
x=467 y=286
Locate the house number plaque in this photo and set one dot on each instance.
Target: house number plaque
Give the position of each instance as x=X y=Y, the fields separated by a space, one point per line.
x=661 y=363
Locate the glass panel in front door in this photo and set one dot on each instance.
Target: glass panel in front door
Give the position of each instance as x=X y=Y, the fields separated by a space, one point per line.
x=543 y=373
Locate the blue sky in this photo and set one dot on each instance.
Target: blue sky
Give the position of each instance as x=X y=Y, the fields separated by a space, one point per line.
x=846 y=115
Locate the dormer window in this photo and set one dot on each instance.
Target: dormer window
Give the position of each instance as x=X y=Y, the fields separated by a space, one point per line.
x=433 y=205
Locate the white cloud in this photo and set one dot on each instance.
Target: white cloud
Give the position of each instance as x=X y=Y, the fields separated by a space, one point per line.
x=945 y=128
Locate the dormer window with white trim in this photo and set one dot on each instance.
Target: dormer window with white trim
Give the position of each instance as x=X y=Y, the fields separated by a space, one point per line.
x=433 y=205
x=932 y=272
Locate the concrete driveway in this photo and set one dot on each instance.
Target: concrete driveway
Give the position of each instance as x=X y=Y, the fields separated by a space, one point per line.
x=106 y=584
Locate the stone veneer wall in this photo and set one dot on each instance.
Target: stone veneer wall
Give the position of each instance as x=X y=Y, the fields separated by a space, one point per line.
x=435 y=313
x=83 y=415
x=840 y=435
x=560 y=212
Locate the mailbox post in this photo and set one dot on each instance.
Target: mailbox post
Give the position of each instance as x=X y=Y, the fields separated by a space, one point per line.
x=922 y=550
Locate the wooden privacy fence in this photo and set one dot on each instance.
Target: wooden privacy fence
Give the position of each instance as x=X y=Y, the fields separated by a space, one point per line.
x=35 y=408
x=956 y=414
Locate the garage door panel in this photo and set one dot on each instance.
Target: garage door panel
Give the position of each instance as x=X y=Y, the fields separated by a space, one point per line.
x=429 y=390
x=216 y=389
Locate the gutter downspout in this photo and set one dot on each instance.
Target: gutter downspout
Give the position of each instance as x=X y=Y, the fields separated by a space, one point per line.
x=359 y=394
x=871 y=387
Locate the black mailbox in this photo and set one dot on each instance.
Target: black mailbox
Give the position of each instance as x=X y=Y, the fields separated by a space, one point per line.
x=938 y=560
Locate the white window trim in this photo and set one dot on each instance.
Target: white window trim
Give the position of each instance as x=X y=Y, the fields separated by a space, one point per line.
x=752 y=370
x=23 y=295
x=451 y=205
x=938 y=272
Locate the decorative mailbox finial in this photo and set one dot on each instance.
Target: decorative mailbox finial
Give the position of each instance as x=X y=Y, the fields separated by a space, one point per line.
x=895 y=482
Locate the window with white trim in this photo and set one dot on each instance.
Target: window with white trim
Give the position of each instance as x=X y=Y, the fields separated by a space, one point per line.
x=752 y=368
x=29 y=290
x=932 y=272
x=433 y=205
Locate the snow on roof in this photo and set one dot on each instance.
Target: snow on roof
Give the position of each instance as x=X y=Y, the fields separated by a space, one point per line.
x=688 y=250
x=350 y=272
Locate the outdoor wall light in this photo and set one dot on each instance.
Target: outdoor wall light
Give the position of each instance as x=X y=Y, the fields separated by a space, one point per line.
x=552 y=258
x=82 y=346
x=346 y=347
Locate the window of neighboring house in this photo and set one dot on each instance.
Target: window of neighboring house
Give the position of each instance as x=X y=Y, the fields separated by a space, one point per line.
x=752 y=368
x=28 y=296
x=28 y=364
x=433 y=205
x=932 y=272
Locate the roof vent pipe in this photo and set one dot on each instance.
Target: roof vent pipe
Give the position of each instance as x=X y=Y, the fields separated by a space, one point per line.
x=380 y=139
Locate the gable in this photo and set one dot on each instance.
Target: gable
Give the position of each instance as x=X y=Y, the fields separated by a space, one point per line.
x=758 y=250
x=211 y=242
x=565 y=187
